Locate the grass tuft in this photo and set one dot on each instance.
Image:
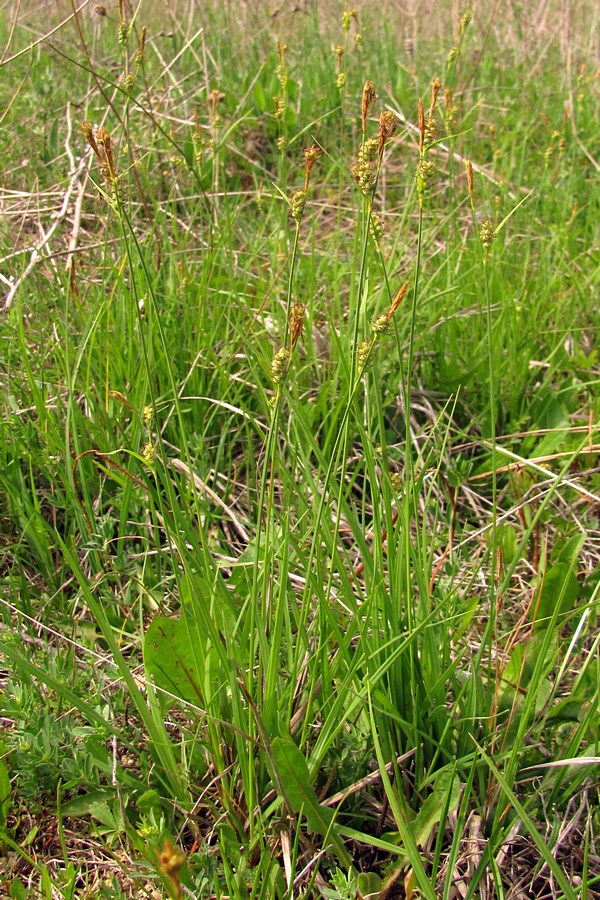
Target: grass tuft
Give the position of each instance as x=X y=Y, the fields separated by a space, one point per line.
x=298 y=451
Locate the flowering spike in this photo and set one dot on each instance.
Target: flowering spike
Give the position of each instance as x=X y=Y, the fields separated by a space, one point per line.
x=388 y=125
x=469 y=167
x=310 y=155
x=296 y=323
x=421 y=127
x=368 y=99
x=398 y=299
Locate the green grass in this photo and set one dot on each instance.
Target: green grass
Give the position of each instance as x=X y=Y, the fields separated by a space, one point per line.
x=319 y=622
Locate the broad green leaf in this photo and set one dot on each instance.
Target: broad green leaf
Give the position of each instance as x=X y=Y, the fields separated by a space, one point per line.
x=96 y=804
x=507 y=541
x=294 y=779
x=260 y=97
x=569 y=554
x=560 y=588
x=369 y=884
x=5 y=789
x=445 y=796
x=169 y=658
x=17 y=890
x=569 y=709
x=292 y=768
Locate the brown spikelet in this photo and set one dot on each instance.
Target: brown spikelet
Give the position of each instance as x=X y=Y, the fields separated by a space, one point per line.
x=296 y=323
x=310 y=155
x=397 y=300
x=388 y=125
x=368 y=99
x=436 y=84
x=421 y=127
x=88 y=131
x=469 y=169
x=107 y=163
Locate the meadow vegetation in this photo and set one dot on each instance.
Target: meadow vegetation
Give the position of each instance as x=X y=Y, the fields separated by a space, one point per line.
x=299 y=519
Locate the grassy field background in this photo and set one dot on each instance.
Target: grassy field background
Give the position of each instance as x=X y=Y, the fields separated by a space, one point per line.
x=299 y=519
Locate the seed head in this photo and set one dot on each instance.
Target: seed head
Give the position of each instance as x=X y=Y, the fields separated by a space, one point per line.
x=388 y=125
x=450 y=111
x=381 y=324
x=362 y=355
x=464 y=21
x=430 y=130
x=149 y=454
x=280 y=364
x=280 y=106
x=123 y=34
x=376 y=227
x=349 y=14
x=425 y=174
x=487 y=234
x=368 y=151
x=297 y=205
x=281 y=68
x=363 y=176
